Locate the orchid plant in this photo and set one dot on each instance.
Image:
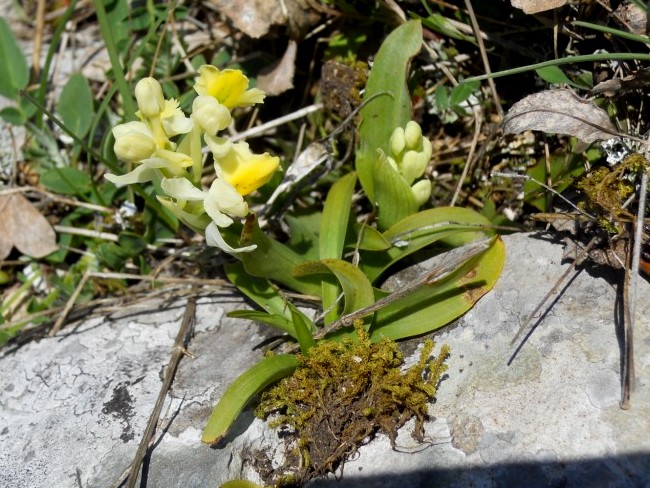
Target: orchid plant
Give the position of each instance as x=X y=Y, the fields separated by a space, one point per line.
x=166 y=145
x=151 y=145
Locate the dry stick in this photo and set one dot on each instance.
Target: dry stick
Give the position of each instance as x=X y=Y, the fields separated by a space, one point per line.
x=468 y=162
x=555 y=287
x=484 y=58
x=68 y=306
x=180 y=345
x=627 y=377
x=449 y=265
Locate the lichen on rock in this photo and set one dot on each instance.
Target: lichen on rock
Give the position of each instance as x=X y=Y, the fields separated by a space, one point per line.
x=342 y=395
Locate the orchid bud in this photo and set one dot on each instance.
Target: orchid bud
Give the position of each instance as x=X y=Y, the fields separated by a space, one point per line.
x=149 y=95
x=210 y=115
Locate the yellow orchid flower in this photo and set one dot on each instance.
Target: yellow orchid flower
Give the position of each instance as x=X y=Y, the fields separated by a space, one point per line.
x=229 y=87
x=246 y=171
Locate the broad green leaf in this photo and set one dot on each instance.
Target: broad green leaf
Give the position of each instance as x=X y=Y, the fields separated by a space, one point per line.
x=260 y=290
x=432 y=306
x=13 y=116
x=15 y=72
x=452 y=226
x=462 y=92
x=274 y=260
x=395 y=199
x=334 y=224
x=277 y=321
x=67 y=181
x=302 y=325
x=371 y=239
x=303 y=239
x=266 y=372
x=382 y=115
x=357 y=290
x=555 y=76
x=75 y=105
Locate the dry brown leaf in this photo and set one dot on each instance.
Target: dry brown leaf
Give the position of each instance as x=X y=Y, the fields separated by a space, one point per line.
x=280 y=77
x=255 y=17
x=536 y=6
x=23 y=226
x=559 y=112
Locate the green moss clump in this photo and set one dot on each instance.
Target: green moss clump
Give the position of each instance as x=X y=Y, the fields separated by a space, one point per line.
x=607 y=190
x=344 y=393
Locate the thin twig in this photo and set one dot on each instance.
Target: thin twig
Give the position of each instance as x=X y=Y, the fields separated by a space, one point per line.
x=627 y=376
x=161 y=279
x=470 y=156
x=484 y=58
x=272 y=124
x=68 y=306
x=180 y=346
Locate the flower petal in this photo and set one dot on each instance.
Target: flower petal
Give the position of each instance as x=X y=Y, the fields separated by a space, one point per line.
x=147 y=171
x=213 y=238
x=182 y=189
x=210 y=114
x=246 y=171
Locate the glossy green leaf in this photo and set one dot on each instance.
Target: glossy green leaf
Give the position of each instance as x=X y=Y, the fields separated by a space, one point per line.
x=259 y=290
x=371 y=239
x=386 y=112
x=395 y=199
x=15 y=72
x=75 y=105
x=303 y=333
x=357 y=290
x=452 y=226
x=274 y=260
x=303 y=239
x=277 y=321
x=66 y=181
x=266 y=372
x=432 y=306
x=334 y=224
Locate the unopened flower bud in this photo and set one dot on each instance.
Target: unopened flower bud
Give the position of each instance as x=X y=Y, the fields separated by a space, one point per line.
x=133 y=142
x=397 y=142
x=421 y=191
x=149 y=95
x=210 y=115
x=413 y=165
x=413 y=135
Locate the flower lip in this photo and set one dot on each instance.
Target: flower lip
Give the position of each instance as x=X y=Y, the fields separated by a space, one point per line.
x=229 y=87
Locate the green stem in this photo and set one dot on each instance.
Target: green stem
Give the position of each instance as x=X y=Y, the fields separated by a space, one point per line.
x=128 y=101
x=569 y=59
x=614 y=32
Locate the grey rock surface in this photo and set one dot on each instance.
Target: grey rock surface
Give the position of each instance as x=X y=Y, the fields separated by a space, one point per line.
x=73 y=408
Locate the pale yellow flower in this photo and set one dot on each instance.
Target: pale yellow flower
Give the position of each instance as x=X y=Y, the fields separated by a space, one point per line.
x=229 y=87
x=210 y=115
x=246 y=171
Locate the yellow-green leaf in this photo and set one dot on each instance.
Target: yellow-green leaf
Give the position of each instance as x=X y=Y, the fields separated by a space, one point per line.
x=269 y=370
x=432 y=306
x=357 y=290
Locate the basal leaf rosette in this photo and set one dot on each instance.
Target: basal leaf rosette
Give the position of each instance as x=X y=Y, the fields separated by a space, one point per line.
x=165 y=145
